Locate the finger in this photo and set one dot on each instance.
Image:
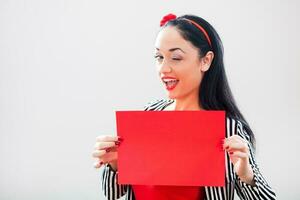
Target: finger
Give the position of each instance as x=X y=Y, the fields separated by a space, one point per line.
x=238 y=154
x=98 y=164
x=235 y=138
x=236 y=146
x=232 y=158
x=109 y=157
x=107 y=138
x=104 y=145
x=98 y=153
x=111 y=149
x=227 y=141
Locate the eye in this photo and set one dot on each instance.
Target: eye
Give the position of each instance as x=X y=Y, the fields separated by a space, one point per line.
x=176 y=58
x=158 y=57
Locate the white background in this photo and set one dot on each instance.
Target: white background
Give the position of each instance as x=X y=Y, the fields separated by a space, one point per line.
x=67 y=66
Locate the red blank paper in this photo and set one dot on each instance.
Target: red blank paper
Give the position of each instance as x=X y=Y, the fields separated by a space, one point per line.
x=171 y=148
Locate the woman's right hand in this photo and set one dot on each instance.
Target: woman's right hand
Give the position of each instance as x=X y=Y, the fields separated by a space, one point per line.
x=105 y=151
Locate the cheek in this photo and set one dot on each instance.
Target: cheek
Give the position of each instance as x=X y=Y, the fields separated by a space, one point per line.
x=191 y=78
x=194 y=81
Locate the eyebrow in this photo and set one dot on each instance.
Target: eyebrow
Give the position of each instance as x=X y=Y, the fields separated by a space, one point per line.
x=172 y=49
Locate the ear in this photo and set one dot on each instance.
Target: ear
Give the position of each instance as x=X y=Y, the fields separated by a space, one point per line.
x=206 y=61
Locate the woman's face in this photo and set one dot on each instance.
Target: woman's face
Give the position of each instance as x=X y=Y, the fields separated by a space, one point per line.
x=178 y=63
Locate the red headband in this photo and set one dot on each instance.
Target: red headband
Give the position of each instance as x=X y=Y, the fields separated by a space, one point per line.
x=171 y=16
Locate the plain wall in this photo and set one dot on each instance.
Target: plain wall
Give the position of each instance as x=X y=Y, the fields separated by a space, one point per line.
x=67 y=66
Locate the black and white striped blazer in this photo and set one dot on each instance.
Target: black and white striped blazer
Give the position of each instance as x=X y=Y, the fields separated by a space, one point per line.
x=112 y=190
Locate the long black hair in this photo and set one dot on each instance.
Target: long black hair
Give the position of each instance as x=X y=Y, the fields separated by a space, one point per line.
x=214 y=91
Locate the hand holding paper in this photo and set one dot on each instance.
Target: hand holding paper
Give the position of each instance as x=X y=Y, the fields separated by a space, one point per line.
x=105 y=151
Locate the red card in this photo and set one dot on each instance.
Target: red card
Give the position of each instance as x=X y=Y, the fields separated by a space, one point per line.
x=171 y=148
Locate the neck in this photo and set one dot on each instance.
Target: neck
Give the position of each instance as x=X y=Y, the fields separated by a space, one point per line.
x=187 y=103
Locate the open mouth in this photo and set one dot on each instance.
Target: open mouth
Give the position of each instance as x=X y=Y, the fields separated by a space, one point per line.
x=170 y=83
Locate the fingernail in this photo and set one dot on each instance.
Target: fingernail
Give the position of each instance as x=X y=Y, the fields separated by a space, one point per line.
x=101 y=163
x=231 y=153
x=120 y=139
x=117 y=143
x=107 y=150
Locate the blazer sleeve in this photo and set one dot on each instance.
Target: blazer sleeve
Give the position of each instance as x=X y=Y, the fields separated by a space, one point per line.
x=154 y=104
x=261 y=189
x=111 y=189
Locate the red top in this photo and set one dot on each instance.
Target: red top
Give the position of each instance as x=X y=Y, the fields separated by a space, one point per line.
x=161 y=192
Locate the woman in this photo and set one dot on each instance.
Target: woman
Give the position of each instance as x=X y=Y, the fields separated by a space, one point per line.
x=189 y=59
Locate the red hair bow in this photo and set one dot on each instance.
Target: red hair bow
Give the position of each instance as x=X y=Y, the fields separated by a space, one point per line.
x=167 y=18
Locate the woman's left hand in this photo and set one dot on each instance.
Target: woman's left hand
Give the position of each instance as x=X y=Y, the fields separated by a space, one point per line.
x=238 y=151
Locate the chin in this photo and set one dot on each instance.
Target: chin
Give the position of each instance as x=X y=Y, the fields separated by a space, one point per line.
x=171 y=95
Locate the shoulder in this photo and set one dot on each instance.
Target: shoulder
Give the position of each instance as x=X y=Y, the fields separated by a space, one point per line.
x=156 y=104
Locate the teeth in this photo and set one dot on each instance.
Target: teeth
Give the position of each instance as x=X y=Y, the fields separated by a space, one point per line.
x=171 y=83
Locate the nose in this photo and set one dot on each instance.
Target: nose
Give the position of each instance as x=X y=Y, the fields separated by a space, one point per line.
x=164 y=67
